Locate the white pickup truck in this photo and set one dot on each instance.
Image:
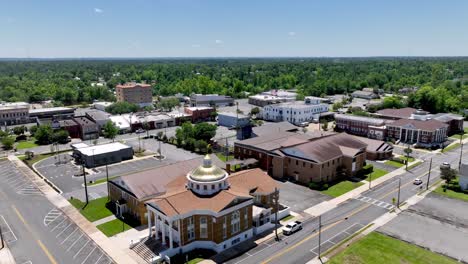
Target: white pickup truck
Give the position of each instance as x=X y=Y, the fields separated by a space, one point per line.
x=292 y=227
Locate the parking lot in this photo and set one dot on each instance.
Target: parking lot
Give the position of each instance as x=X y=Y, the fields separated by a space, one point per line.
x=16 y=181
x=72 y=240
x=299 y=197
x=437 y=223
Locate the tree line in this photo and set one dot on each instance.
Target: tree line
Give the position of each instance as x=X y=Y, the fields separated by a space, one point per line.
x=70 y=81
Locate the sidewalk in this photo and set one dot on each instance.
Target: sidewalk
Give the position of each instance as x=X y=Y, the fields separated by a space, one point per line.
x=6 y=257
x=118 y=254
x=326 y=206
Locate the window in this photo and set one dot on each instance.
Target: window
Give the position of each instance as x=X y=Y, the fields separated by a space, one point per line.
x=203 y=227
x=198 y=187
x=205 y=187
x=235 y=222
x=225 y=227
x=220 y=185
x=212 y=187
x=246 y=218
x=190 y=228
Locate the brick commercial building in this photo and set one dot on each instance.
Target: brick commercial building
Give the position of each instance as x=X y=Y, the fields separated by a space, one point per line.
x=422 y=133
x=198 y=114
x=310 y=157
x=200 y=208
x=263 y=100
x=88 y=128
x=135 y=93
x=361 y=126
x=294 y=112
x=454 y=121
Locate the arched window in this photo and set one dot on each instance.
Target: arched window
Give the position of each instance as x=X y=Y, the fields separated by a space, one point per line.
x=235 y=222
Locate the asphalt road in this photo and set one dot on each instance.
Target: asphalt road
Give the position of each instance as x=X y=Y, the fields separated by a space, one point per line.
x=36 y=231
x=303 y=245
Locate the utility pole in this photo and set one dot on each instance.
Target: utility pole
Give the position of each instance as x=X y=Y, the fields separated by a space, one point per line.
x=429 y=175
x=160 y=151
x=227 y=150
x=407 y=157
x=139 y=142
x=276 y=197
x=399 y=186
x=320 y=238
x=107 y=177
x=85 y=183
x=461 y=151
x=370 y=180
x=1 y=237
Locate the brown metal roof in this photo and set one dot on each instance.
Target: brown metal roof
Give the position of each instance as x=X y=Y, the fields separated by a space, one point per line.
x=427 y=125
x=396 y=113
x=327 y=148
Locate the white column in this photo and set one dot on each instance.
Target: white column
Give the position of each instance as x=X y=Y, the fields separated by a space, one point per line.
x=419 y=132
x=149 y=222
x=400 y=134
x=156 y=225
x=163 y=229
x=180 y=232
x=171 y=240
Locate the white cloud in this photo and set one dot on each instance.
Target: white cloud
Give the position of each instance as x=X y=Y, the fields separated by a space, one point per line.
x=292 y=33
x=218 y=41
x=98 y=10
x=196 y=45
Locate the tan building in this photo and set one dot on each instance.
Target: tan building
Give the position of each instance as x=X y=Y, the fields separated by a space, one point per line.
x=135 y=93
x=14 y=113
x=210 y=209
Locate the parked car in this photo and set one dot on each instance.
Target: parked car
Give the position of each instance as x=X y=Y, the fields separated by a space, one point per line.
x=417 y=181
x=292 y=227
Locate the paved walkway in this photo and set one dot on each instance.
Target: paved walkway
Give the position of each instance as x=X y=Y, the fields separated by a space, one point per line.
x=6 y=257
x=118 y=254
x=326 y=206
x=104 y=220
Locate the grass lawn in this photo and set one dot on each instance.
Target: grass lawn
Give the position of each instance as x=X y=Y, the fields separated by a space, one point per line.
x=456 y=145
x=25 y=144
x=102 y=180
x=35 y=159
x=196 y=260
x=453 y=191
x=289 y=217
x=341 y=188
x=113 y=227
x=222 y=157
x=414 y=165
x=394 y=163
x=458 y=136
x=377 y=248
x=377 y=173
x=95 y=210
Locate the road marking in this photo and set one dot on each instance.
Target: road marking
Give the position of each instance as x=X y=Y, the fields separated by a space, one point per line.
x=27 y=262
x=102 y=254
x=75 y=242
x=88 y=255
x=81 y=249
x=69 y=236
x=64 y=218
x=11 y=231
x=63 y=230
x=51 y=258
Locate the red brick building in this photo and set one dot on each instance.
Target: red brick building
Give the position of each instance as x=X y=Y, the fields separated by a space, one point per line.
x=201 y=113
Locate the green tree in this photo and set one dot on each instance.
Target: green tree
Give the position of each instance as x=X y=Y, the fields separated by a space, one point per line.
x=167 y=104
x=43 y=134
x=60 y=136
x=8 y=142
x=19 y=130
x=448 y=174
x=254 y=111
x=122 y=108
x=204 y=131
x=110 y=130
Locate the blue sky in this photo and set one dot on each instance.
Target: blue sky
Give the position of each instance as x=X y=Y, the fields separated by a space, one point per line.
x=245 y=28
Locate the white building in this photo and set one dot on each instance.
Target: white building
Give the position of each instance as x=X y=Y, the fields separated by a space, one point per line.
x=281 y=94
x=294 y=112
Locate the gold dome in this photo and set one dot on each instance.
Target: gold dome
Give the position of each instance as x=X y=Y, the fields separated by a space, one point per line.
x=207 y=172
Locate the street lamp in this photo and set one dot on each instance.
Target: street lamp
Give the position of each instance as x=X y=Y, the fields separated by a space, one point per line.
x=399 y=187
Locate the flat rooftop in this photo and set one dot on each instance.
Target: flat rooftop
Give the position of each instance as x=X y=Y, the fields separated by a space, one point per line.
x=51 y=109
x=102 y=149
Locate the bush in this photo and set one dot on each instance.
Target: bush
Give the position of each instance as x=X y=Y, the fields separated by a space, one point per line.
x=318 y=186
x=8 y=142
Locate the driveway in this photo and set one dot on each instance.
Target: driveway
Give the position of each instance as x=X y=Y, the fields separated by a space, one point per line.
x=298 y=197
x=437 y=223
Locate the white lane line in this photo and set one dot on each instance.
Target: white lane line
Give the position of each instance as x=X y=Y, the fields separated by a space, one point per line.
x=81 y=249
x=13 y=233
x=69 y=236
x=63 y=230
x=102 y=254
x=75 y=242
x=58 y=224
x=88 y=255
